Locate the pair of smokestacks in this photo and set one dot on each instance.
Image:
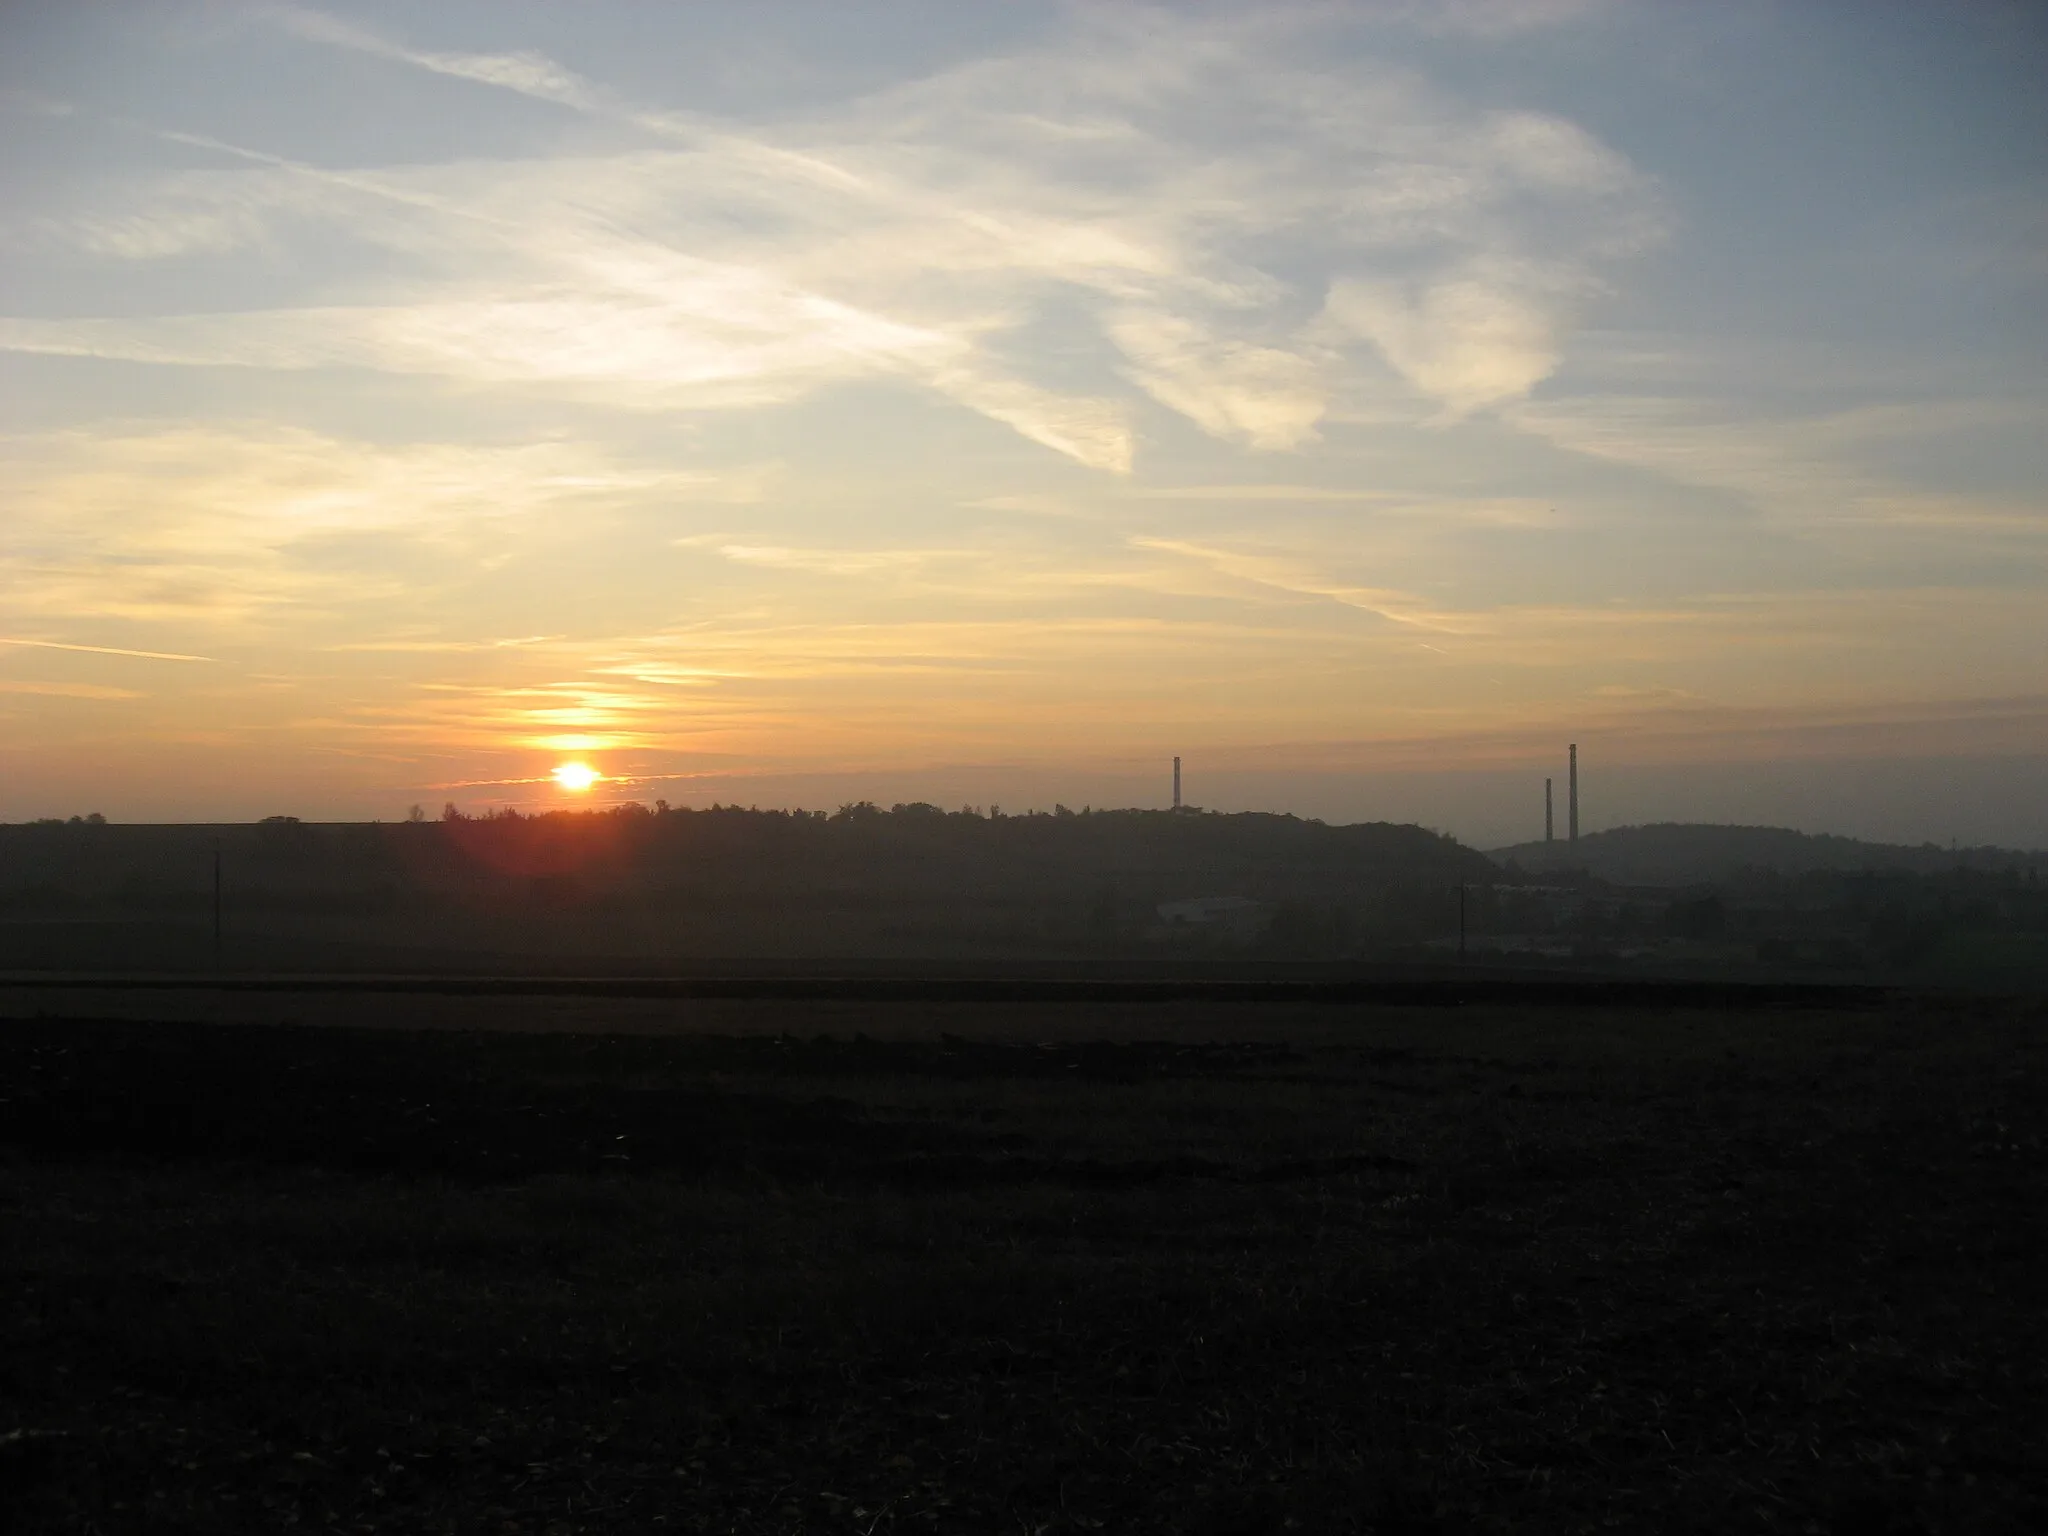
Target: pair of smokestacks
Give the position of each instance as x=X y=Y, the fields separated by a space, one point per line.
x=1549 y=832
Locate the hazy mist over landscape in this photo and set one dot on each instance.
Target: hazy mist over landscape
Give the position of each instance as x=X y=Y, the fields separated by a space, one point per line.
x=799 y=404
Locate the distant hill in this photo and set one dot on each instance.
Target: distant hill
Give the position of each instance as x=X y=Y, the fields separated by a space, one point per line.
x=1692 y=853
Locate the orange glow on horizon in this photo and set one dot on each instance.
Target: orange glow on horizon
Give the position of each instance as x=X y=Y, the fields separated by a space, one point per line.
x=576 y=777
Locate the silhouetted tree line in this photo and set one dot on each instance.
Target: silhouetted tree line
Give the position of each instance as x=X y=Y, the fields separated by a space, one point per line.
x=916 y=879
x=918 y=846
x=907 y=878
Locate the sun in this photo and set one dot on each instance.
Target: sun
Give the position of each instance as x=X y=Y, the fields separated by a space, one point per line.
x=576 y=777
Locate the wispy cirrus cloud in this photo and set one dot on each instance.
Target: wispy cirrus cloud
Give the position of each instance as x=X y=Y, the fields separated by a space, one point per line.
x=1290 y=574
x=233 y=526
x=929 y=234
x=67 y=690
x=101 y=650
x=1090 y=685
x=530 y=74
x=1822 y=472
x=834 y=562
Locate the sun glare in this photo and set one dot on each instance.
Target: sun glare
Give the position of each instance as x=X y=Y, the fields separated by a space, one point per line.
x=576 y=777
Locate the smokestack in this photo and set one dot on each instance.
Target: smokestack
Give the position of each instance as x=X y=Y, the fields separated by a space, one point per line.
x=1549 y=834
x=1573 y=821
x=1176 y=783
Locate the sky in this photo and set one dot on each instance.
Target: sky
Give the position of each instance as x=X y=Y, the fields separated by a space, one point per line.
x=983 y=403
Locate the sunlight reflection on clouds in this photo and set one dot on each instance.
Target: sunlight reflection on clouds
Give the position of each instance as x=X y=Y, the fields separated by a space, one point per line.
x=900 y=240
x=1250 y=379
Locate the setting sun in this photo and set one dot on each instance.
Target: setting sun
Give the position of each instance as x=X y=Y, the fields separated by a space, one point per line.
x=576 y=777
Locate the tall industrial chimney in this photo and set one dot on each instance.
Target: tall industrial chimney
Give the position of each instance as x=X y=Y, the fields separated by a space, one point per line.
x=1176 y=783
x=1573 y=792
x=1548 y=825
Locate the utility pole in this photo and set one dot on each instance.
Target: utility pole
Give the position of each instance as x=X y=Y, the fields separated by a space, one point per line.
x=1176 y=783
x=1549 y=825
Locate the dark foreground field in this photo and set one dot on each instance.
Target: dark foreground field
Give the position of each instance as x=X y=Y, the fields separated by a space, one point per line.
x=1235 y=1269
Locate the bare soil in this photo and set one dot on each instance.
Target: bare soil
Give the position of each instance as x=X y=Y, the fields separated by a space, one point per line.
x=1045 y=1267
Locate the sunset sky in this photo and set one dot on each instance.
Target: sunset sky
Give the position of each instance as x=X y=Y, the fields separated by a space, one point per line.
x=800 y=402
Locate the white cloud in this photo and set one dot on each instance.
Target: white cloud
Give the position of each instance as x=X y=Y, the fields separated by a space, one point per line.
x=1189 y=190
x=1810 y=471
x=690 y=350
x=1290 y=573
x=237 y=526
x=832 y=562
x=101 y=650
x=68 y=690
x=1267 y=397
x=1258 y=493
x=1475 y=337
x=1090 y=431
x=530 y=74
